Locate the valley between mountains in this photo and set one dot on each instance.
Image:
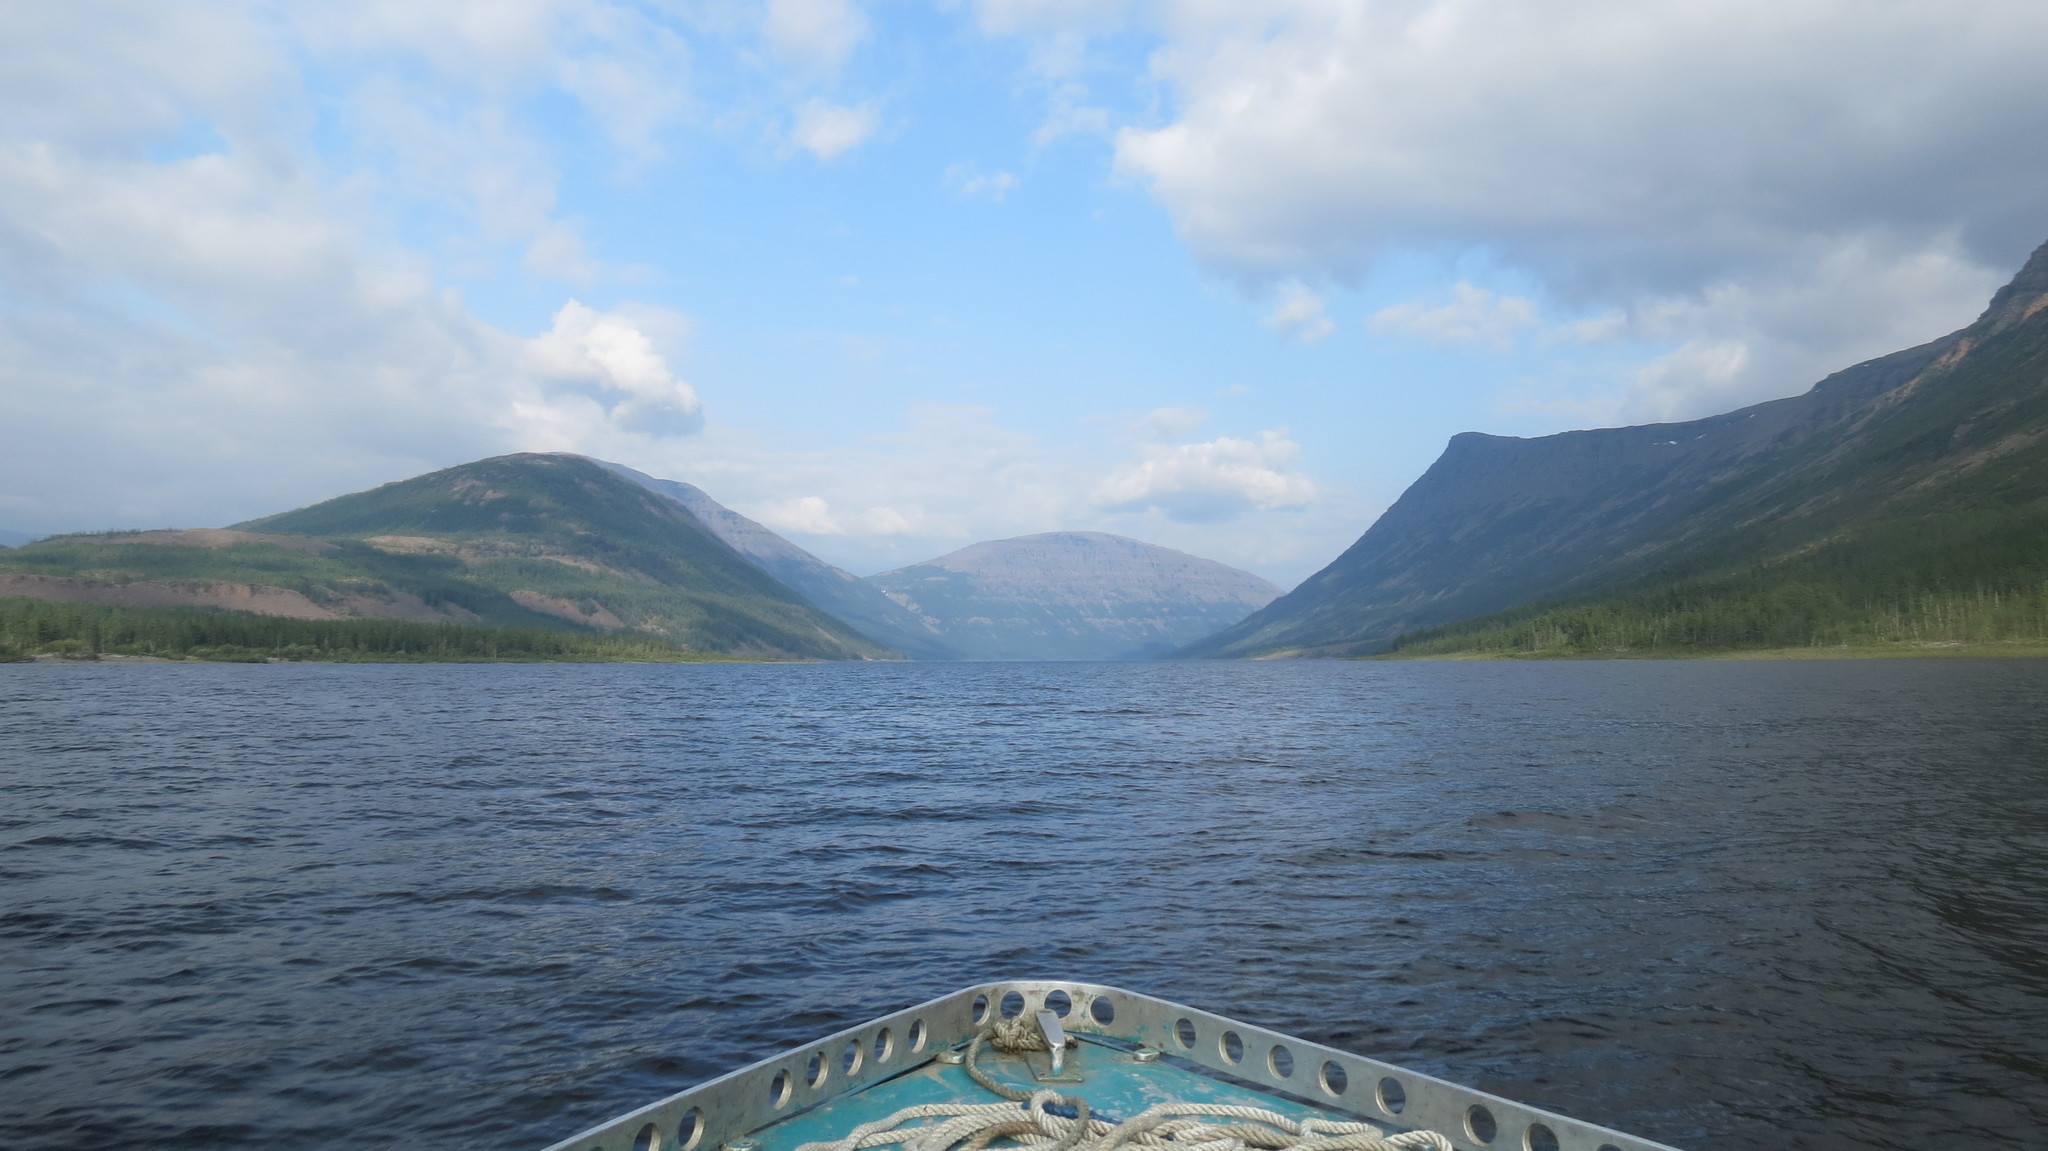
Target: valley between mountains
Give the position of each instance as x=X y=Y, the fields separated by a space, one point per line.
x=1899 y=506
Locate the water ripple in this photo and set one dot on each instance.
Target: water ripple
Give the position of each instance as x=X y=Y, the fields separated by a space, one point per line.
x=1721 y=905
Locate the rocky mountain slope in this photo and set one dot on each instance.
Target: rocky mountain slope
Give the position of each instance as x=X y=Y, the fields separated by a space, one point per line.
x=1072 y=595
x=838 y=593
x=1937 y=453
x=524 y=540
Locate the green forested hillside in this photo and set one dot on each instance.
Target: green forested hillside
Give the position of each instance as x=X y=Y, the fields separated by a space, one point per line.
x=526 y=541
x=32 y=627
x=1901 y=501
x=1981 y=580
x=1927 y=526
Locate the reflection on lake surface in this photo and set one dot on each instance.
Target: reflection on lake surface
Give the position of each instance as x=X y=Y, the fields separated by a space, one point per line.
x=1717 y=904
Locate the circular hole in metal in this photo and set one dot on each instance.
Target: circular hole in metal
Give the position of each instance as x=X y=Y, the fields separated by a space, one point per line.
x=1479 y=1124
x=1230 y=1045
x=649 y=1139
x=980 y=1008
x=885 y=1045
x=917 y=1035
x=814 y=1069
x=779 y=1088
x=1393 y=1097
x=1539 y=1138
x=1058 y=1003
x=1333 y=1078
x=690 y=1131
x=1280 y=1061
x=849 y=1059
x=1102 y=1009
x=1013 y=1005
x=1607 y=1147
x=1184 y=1033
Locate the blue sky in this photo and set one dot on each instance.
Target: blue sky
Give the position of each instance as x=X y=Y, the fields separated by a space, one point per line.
x=896 y=277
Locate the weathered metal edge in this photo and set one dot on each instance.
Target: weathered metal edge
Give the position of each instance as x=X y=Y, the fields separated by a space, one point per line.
x=752 y=1097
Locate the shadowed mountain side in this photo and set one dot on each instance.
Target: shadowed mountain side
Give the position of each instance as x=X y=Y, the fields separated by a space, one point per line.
x=1073 y=595
x=1943 y=428
x=839 y=593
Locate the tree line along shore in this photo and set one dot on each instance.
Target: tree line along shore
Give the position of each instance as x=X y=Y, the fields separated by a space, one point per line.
x=35 y=627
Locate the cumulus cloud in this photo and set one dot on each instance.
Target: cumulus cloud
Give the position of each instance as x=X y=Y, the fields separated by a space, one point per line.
x=956 y=474
x=1654 y=144
x=814 y=36
x=827 y=130
x=1299 y=314
x=1209 y=482
x=619 y=366
x=804 y=515
x=1473 y=316
x=972 y=183
x=1168 y=423
x=815 y=516
x=1627 y=157
x=1847 y=302
x=209 y=314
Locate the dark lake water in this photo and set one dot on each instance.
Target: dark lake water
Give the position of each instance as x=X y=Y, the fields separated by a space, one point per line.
x=1723 y=905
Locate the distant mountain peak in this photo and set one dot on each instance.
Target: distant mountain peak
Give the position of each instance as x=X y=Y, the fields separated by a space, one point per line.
x=2022 y=297
x=1073 y=595
x=838 y=593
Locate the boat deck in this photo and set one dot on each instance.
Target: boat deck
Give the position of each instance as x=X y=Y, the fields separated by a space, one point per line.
x=1133 y=1051
x=1115 y=1084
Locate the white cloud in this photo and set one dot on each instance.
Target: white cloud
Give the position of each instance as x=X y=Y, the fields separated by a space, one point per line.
x=955 y=475
x=827 y=130
x=1739 y=341
x=1210 y=482
x=814 y=516
x=209 y=312
x=1623 y=142
x=615 y=361
x=814 y=36
x=1168 y=423
x=1009 y=17
x=972 y=183
x=1625 y=156
x=1473 y=316
x=804 y=515
x=1299 y=314
x=558 y=253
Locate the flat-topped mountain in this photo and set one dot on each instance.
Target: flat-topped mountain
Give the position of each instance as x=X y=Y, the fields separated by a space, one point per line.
x=1921 y=472
x=1072 y=595
x=526 y=540
x=838 y=593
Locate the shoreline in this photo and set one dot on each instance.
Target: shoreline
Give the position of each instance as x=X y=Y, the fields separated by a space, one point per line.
x=2012 y=649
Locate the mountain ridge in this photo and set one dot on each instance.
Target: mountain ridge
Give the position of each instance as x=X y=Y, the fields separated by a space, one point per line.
x=1498 y=521
x=836 y=592
x=523 y=540
x=1072 y=595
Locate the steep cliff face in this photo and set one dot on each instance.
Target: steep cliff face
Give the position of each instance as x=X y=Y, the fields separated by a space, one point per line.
x=837 y=592
x=1498 y=521
x=1073 y=595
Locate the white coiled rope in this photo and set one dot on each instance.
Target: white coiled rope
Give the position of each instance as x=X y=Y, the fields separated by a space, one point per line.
x=1164 y=1127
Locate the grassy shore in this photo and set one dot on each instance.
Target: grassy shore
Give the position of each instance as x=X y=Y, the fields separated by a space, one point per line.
x=2016 y=649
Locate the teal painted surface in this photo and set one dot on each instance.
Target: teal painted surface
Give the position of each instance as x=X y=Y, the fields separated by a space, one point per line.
x=1115 y=1086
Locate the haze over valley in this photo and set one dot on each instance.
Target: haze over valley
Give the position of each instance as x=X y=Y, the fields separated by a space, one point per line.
x=1901 y=504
